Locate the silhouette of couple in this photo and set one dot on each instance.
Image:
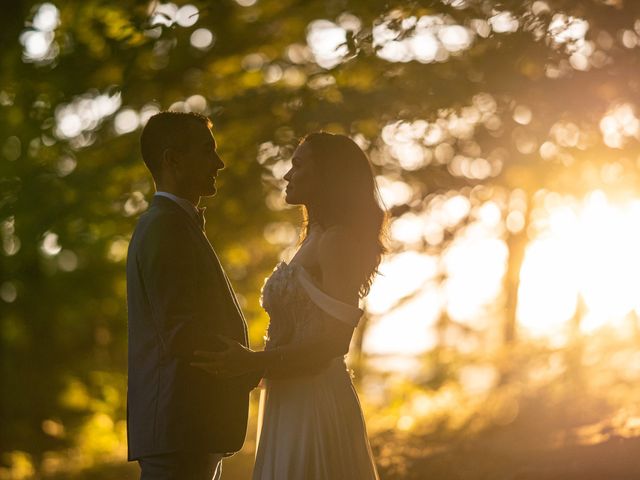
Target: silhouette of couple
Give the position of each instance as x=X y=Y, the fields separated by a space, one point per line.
x=190 y=365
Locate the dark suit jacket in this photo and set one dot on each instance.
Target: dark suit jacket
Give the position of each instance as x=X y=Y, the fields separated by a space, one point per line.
x=179 y=298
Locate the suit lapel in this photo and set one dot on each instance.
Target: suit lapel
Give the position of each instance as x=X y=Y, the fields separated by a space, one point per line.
x=163 y=202
x=232 y=294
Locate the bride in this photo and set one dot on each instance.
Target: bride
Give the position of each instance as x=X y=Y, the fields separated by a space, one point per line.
x=313 y=427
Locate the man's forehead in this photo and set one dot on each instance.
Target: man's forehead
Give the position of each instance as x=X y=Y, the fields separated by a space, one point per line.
x=205 y=137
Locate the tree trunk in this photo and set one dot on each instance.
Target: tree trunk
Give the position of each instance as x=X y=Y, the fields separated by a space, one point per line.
x=516 y=243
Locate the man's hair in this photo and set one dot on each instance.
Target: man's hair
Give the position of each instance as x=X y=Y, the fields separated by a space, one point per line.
x=165 y=130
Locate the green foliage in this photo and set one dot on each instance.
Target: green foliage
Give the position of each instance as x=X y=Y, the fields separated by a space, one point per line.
x=70 y=192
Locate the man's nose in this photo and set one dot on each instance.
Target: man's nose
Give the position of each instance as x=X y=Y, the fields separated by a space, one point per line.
x=218 y=162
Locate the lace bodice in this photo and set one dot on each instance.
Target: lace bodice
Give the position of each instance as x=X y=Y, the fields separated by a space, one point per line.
x=295 y=306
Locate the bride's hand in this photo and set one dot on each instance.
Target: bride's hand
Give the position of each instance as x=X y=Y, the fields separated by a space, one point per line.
x=234 y=361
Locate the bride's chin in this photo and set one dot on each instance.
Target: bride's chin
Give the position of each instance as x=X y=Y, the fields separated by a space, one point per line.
x=289 y=199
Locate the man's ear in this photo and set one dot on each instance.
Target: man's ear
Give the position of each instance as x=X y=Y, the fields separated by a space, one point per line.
x=170 y=157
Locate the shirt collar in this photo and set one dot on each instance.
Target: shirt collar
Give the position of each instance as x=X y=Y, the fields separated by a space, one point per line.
x=187 y=206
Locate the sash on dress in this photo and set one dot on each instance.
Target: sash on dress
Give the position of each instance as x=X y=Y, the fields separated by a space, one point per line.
x=337 y=309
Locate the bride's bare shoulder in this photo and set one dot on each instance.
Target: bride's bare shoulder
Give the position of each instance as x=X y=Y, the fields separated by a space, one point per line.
x=338 y=258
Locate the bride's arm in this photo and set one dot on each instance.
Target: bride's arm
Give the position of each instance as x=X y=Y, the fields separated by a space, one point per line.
x=338 y=262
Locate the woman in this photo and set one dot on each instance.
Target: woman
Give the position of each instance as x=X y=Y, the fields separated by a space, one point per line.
x=313 y=427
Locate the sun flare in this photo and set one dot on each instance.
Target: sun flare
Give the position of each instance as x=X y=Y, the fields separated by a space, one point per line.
x=588 y=251
x=582 y=257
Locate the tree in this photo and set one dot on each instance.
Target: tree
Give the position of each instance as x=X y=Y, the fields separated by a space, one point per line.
x=490 y=100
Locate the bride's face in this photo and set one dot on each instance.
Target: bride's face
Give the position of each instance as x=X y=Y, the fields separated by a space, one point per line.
x=302 y=179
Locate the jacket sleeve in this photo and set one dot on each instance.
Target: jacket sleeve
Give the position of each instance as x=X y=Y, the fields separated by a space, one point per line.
x=252 y=379
x=168 y=267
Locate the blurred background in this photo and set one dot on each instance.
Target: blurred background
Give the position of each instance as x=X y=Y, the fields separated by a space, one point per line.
x=501 y=340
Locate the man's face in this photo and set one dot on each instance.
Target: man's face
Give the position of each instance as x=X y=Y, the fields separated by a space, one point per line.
x=199 y=164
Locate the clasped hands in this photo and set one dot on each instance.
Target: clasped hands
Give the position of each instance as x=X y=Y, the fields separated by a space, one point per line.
x=234 y=361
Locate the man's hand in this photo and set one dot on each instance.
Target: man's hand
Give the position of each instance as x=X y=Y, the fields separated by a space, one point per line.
x=236 y=360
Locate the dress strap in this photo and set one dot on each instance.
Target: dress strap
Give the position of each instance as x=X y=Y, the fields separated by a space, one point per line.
x=337 y=309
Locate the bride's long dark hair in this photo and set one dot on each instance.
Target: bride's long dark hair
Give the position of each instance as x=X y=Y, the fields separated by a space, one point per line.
x=348 y=196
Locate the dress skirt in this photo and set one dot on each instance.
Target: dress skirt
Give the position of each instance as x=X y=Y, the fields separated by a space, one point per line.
x=313 y=429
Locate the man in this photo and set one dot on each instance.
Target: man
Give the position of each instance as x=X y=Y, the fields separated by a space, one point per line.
x=180 y=420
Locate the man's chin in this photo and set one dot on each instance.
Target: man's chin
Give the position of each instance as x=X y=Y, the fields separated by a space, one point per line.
x=209 y=192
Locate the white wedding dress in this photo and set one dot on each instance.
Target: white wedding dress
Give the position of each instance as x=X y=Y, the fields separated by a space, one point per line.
x=312 y=425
